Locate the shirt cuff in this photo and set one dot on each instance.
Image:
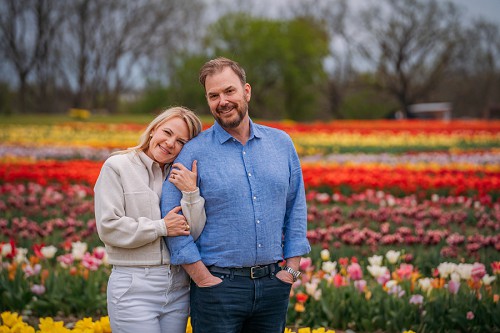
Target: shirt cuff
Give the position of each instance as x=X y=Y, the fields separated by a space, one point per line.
x=187 y=255
x=161 y=228
x=296 y=249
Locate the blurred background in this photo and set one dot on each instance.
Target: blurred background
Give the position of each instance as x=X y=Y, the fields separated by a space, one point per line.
x=305 y=59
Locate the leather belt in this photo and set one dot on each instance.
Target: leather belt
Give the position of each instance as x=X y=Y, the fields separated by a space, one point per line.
x=254 y=272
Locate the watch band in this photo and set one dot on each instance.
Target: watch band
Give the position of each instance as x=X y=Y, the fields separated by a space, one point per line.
x=296 y=274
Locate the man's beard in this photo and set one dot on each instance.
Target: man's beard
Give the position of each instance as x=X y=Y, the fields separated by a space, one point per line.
x=241 y=111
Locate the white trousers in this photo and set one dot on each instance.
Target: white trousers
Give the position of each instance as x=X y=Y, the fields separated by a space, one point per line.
x=153 y=299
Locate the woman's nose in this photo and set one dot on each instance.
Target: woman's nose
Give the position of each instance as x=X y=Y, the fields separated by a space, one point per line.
x=170 y=142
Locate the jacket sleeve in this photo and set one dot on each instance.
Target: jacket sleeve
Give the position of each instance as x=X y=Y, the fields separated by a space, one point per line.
x=193 y=208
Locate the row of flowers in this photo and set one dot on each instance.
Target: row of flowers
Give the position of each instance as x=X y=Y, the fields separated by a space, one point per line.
x=452 y=226
x=383 y=293
x=462 y=160
x=309 y=139
x=55 y=212
x=402 y=179
x=12 y=322
x=425 y=214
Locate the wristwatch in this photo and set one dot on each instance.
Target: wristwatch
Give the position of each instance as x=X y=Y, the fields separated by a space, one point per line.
x=296 y=274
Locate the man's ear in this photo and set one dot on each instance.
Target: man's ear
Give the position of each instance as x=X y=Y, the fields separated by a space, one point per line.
x=248 y=92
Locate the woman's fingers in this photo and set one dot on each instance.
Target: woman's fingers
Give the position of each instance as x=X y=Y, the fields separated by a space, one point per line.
x=194 y=167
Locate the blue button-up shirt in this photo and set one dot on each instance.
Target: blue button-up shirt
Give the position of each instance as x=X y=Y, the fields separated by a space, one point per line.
x=254 y=199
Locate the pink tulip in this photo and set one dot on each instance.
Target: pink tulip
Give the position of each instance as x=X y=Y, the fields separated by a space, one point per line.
x=404 y=271
x=38 y=289
x=354 y=271
x=416 y=299
x=91 y=262
x=305 y=264
x=360 y=285
x=478 y=271
x=382 y=279
x=453 y=286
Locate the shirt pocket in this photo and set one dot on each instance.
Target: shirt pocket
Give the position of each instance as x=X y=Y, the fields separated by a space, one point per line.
x=138 y=204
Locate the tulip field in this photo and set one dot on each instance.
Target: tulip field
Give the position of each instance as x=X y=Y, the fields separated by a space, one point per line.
x=403 y=220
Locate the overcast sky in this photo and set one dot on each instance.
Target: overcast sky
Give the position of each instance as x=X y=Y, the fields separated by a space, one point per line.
x=488 y=9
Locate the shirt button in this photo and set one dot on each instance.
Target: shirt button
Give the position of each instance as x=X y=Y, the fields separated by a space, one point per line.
x=255 y=198
x=258 y=221
x=249 y=174
x=260 y=245
x=244 y=153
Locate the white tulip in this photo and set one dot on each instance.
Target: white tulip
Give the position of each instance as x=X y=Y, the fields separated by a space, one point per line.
x=392 y=256
x=487 y=280
x=6 y=249
x=48 y=251
x=375 y=260
x=329 y=267
x=78 y=250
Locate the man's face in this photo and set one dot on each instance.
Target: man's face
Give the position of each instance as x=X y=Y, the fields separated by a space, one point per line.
x=227 y=98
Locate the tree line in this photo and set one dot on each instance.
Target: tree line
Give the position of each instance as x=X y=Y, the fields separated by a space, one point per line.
x=314 y=59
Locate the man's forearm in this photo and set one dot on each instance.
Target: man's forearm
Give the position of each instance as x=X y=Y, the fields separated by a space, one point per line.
x=200 y=274
x=293 y=262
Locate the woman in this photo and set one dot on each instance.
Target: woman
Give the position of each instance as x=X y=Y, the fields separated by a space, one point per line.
x=145 y=293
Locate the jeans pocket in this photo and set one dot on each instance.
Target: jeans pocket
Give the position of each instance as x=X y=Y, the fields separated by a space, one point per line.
x=282 y=282
x=215 y=285
x=119 y=285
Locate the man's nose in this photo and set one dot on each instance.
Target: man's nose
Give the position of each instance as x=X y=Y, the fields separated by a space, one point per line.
x=223 y=99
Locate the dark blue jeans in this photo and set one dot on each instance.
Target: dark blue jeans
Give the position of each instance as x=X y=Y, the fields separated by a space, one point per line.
x=240 y=305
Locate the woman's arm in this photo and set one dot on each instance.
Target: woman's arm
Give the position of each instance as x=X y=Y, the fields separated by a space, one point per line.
x=113 y=225
x=193 y=208
x=193 y=205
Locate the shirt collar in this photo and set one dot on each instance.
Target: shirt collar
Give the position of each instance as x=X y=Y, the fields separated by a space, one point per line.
x=224 y=136
x=150 y=163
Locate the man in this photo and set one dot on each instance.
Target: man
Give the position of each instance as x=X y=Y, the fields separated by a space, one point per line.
x=251 y=179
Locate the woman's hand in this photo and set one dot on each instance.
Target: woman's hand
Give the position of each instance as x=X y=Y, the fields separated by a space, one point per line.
x=176 y=224
x=182 y=178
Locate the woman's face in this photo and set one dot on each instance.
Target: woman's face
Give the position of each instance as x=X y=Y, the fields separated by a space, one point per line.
x=167 y=140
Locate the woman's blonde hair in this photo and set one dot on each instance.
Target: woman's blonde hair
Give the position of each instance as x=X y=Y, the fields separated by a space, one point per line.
x=190 y=118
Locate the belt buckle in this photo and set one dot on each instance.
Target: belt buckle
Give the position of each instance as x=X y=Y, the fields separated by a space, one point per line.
x=252 y=272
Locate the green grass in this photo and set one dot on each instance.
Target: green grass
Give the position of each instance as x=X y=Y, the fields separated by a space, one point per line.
x=46 y=119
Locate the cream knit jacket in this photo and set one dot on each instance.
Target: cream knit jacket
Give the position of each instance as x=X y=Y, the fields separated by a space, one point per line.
x=127 y=210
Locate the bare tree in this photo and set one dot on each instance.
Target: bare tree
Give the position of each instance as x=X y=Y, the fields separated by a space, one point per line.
x=474 y=83
x=27 y=29
x=410 y=43
x=110 y=38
